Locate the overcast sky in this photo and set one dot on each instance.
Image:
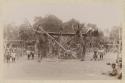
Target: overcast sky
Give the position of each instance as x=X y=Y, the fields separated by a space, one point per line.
x=104 y=14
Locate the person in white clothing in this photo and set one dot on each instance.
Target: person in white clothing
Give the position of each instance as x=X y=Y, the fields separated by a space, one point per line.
x=28 y=54
x=13 y=56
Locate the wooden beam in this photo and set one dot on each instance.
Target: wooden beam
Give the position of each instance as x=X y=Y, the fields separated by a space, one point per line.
x=64 y=34
x=67 y=51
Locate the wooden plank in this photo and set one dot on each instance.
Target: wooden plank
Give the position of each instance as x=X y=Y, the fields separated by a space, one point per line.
x=64 y=34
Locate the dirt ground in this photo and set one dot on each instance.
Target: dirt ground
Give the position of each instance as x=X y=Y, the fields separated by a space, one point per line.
x=59 y=69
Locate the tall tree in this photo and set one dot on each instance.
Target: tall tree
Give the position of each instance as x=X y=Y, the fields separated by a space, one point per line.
x=10 y=32
x=70 y=26
x=116 y=33
x=49 y=23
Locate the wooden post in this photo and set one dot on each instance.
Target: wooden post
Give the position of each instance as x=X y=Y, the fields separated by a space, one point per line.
x=59 y=40
x=82 y=42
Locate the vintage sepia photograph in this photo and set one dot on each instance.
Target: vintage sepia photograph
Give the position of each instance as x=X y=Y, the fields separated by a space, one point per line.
x=62 y=40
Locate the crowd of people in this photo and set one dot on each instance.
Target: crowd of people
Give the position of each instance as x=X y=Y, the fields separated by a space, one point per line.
x=98 y=54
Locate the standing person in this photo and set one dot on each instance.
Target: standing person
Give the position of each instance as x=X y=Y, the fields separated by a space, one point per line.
x=95 y=56
x=101 y=53
x=39 y=58
x=32 y=54
x=8 y=58
x=13 y=56
x=28 y=54
x=8 y=55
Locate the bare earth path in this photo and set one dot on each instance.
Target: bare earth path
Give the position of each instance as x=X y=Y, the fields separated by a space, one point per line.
x=53 y=69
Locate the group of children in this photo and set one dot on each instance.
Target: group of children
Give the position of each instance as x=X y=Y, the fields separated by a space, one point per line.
x=10 y=55
x=30 y=54
x=98 y=54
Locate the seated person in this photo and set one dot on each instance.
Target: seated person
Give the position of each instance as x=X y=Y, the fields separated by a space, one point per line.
x=114 y=70
x=119 y=68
